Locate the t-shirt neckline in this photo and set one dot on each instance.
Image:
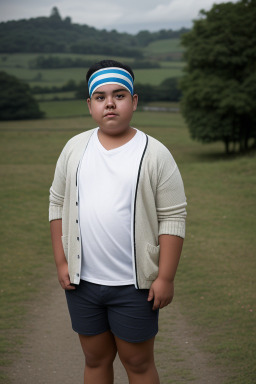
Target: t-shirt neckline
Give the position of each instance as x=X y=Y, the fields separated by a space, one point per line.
x=117 y=149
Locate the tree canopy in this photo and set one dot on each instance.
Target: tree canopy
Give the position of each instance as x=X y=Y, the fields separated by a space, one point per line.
x=219 y=84
x=16 y=100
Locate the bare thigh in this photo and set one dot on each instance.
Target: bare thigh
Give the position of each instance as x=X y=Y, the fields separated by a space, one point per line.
x=99 y=349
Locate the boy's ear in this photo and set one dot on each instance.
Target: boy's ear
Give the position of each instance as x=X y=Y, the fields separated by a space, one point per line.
x=89 y=105
x=135 y=99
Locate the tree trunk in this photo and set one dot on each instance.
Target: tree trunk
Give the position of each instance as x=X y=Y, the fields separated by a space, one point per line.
x=241 y=145
x=226 y=142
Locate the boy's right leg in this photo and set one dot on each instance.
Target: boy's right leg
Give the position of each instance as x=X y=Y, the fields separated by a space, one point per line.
x=100 y=352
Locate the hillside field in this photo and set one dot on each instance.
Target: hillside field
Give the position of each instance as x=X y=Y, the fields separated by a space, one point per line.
x=18 y=65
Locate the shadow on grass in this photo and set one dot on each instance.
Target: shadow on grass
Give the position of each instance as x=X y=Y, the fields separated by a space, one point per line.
x=215 y=156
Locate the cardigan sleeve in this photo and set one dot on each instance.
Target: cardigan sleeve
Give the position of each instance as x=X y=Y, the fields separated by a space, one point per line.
x=57 y=190
x=170 y=197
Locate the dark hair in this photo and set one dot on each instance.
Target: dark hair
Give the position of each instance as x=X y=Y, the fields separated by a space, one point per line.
x=106 y=64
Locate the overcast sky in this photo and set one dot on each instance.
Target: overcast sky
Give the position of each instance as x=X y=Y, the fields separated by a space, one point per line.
x=123 y=15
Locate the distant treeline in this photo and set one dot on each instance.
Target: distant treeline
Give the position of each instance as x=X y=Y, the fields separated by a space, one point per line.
x=56 y=35
x=168 y=90
x=55 y=62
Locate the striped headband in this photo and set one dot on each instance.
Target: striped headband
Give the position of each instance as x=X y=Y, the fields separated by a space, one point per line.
x=112 y=75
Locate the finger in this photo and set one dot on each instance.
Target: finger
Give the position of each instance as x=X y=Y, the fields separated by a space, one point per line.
x=68 y=284
x=65 y=284
x=62 y=284
x=165 y=303
x=70 y=287
x=150 y=295
x=156 y=304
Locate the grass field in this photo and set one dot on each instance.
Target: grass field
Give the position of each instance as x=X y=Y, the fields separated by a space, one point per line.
x=164 y=46
x=56 y=96
x=69 y=108
x=18 y=65
x=21 y=60
x=58 y=77
x=17 y=60
x=72 y=108
x=215 y=284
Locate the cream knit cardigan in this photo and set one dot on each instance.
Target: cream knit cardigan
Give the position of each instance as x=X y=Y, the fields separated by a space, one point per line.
x=159 y=206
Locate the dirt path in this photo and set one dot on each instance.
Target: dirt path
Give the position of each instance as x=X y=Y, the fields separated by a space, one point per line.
x=51 y=353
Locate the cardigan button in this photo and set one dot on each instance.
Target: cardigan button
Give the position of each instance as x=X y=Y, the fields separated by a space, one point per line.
x=77 y=238
x=77 y=274
x=78 y=256
x=77 y=221
x=76 y=203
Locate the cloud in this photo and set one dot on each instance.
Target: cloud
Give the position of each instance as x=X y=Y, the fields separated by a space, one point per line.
x=169 y=14
x=95 y=14
x=123 y=15
x=171 y=10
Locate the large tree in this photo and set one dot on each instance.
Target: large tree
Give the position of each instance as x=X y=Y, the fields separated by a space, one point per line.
x=219 y=84
x=16 y=100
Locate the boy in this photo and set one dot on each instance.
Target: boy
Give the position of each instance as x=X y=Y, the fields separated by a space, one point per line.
x=117 y=213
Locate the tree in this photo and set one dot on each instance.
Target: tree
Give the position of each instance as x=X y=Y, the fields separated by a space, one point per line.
x=168 y=90
x=16 y=100
x=55 y=14
x=219 y=84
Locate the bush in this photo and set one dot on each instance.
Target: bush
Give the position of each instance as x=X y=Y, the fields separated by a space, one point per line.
x=16 y=100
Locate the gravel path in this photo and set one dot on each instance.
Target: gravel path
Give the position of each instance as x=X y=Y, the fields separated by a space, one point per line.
x=51 y=352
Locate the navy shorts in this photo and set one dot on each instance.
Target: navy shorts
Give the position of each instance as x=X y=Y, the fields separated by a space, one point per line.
x=124 y=310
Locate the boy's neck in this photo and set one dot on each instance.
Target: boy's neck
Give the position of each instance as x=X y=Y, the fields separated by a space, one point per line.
x=114 y=141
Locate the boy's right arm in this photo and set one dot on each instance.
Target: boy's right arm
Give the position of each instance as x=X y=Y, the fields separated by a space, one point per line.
x=59 y=256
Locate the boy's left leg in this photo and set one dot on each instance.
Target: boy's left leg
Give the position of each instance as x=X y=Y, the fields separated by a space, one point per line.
x=138 y=360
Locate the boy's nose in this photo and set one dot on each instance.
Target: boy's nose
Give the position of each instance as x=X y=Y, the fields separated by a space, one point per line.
x=110 y=102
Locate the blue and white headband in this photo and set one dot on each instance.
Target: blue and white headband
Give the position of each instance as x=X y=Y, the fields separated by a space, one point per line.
x=112 y=75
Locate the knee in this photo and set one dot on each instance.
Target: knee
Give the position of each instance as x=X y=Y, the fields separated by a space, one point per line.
x=99 y=360
x=137 y=364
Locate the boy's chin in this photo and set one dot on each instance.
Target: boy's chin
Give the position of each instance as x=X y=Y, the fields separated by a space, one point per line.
x=114 y=131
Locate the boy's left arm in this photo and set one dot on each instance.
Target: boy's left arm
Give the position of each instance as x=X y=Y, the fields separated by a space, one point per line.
x=171 y=213
x=162 y=289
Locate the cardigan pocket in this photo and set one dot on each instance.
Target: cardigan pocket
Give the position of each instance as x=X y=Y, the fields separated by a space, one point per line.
x=152 y=262
x=64 y=240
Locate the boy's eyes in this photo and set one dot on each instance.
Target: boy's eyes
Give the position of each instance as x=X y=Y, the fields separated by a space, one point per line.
x=118 y=96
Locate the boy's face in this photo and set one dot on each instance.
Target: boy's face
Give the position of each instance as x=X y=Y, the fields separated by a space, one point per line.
x=112 y=107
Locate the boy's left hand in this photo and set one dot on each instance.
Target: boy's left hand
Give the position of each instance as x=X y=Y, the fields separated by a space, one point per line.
x=162 y=292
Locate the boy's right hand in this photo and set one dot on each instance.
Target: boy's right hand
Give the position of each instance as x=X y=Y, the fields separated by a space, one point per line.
x=63 y=277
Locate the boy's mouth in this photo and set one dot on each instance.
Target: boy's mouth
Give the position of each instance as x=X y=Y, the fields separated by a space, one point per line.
x=110 y=114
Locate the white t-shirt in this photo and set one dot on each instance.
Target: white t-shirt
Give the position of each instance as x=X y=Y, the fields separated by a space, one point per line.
x=107 y=181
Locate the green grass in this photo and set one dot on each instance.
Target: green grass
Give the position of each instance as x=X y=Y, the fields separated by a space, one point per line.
x=173 y=64
x=156 y=76
x=164 y=46
x=72 y=108
x=215 y=284
x=68 y=108
x=21 y=60
x=18 y=65
x=167 y=49
x=56 y=96
x=48 y=77
x=58 y=77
